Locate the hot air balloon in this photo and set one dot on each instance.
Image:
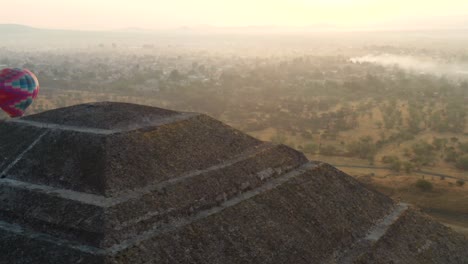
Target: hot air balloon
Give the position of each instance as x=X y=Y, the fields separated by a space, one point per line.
x=18 y=89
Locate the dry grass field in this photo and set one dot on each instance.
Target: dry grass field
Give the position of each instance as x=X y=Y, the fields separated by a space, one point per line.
x=447 y=202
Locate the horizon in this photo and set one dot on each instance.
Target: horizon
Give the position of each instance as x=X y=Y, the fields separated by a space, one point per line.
x=157 y=15
x=267 y=29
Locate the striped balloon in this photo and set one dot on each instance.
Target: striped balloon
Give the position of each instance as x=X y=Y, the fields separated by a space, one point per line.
x=18 y=89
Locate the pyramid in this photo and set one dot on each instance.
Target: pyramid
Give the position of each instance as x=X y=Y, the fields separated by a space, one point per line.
x=124 y=183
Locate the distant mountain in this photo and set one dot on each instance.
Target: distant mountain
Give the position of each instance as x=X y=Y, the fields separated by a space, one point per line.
x=17 y=35
x=414 y=24
x=254 y=29
x=15 y=28
x=134 y=30
x=424 y=23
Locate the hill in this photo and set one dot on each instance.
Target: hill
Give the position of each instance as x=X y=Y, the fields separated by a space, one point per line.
x=15 y=28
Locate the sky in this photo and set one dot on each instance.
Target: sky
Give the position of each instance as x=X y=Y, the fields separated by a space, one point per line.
x=157 y=14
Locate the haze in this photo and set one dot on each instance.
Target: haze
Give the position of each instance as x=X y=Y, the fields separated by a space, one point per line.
x=151 y=14
x=419 y=65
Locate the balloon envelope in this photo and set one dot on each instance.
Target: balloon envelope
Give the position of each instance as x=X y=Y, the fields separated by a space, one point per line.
x=18 y=89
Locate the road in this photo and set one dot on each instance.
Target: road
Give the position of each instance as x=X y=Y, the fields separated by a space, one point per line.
x=388 y=168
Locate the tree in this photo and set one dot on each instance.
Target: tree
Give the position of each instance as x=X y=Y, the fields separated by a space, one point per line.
x=364 y=148
x=463 y=146
x=395 y=165
x=408 y=167
x=462 y=162
x=424 y=185
x=439 y=143
x=423 y=153
x=451 y=155
x=415 y=118
x=393 y=161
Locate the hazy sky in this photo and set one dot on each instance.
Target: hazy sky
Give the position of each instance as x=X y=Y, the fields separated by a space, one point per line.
x=114 y=14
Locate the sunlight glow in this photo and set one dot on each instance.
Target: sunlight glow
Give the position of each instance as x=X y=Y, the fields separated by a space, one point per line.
x=159 y=14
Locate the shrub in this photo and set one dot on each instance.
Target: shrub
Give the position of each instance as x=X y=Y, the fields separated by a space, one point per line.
x=439 y=143
x=424 y=185
x=423 y=153
x=363 y=148
x=389 y=159
x=310 y=148
x=279 y=138
x=393 y=161
x=463 y=147
x=395 y=166
x=462 y=162
x=460 y=182
x=451 y=155
x=408 y=166
x=329 y=150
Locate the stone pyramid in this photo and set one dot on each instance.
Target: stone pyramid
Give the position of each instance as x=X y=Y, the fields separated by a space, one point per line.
x=128 y=184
